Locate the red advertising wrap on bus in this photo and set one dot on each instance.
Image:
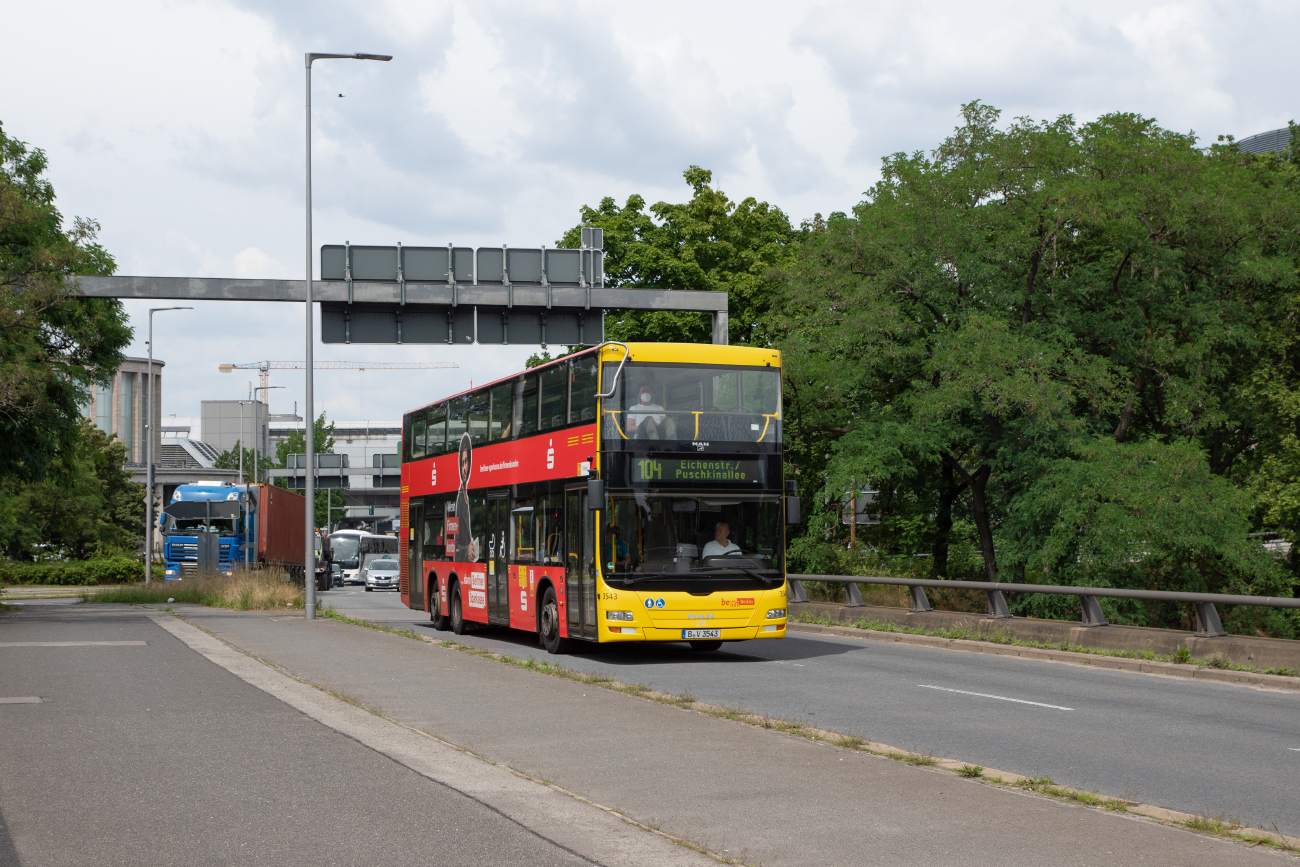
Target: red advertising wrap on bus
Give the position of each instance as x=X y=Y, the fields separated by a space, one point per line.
x=510 y=463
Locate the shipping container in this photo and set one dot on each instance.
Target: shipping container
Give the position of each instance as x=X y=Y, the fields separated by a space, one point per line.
x=281 y=528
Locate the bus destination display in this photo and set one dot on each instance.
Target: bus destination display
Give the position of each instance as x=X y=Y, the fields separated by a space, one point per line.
x=649 y=471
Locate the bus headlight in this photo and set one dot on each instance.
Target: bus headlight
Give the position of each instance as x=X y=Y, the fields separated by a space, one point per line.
x=618 y=615
x=775 y=613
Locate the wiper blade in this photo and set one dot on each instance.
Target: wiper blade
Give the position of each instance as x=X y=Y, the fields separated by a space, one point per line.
x=769 y=581
x=629 y=580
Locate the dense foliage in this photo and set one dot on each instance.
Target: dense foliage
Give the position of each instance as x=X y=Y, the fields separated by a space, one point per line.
x=1060 y=352
x=75 y=573
x=708 y=243
x=53 y=345
x=84 y=505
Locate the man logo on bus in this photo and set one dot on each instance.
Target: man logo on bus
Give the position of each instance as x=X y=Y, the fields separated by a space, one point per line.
x=463 y=533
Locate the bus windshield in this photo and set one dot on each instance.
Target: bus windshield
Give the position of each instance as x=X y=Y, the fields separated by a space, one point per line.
x=694 y=402
x=685 y=536
x=344 y=549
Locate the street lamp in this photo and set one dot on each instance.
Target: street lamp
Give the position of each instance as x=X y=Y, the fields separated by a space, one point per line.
x=309 y=555
x=148 y=469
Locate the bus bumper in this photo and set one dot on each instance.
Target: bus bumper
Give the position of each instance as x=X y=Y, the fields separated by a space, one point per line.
x=651 y=633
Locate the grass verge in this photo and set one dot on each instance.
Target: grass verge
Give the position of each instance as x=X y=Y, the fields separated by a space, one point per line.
x=1181 y=656
x=242 y=591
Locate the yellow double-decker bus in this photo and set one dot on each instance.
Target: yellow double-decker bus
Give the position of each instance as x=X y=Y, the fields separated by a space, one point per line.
x=629 y=492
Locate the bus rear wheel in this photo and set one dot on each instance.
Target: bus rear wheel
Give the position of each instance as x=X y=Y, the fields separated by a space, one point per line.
x=458 y=624
x=439 y=620
x=548 y=624
x=705 y=646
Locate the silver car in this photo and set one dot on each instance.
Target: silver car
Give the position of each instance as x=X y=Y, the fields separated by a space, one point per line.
x=383 y=573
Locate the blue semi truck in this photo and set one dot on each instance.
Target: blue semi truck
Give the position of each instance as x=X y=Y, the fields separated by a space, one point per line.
x=221 y=527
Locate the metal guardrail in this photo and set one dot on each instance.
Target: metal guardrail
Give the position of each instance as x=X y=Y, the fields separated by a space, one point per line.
x=1208 y=624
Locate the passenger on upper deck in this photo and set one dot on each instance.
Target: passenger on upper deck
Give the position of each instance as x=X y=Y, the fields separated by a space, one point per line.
x=647 y=421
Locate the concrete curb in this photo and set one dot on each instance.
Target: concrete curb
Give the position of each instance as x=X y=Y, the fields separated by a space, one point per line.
x=1118 y=663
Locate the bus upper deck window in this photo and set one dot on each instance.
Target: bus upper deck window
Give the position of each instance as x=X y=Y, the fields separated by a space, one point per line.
x=436 y=437
x=503 y=411
x=455 y=422
x=477 y=417
x=418 y=439
x=555 y=396
x=582 y=389
x=528 y=423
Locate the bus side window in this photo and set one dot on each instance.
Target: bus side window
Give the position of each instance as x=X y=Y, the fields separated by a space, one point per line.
x=503 y=411
x=582 y=389
x=477 y=417
x=436 y=438
x=434 y=546
x=417 y=439
x=555 y=396
x=528 y=424
x=521 y=527
x=478 y=526
x=455 y=422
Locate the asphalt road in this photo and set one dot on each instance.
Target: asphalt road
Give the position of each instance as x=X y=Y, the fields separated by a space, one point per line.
x=120 y=745
x=1205 y=748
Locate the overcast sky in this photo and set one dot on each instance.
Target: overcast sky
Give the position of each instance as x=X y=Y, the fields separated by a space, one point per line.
x=178 y=125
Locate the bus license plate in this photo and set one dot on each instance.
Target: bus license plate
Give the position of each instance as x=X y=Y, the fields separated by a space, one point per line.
x=701 y=633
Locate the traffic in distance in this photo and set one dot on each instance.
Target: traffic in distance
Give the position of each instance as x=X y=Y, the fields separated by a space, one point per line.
x=352 y=551
x=625 y=493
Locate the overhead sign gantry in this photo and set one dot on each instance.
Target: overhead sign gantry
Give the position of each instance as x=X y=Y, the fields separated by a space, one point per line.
x=443 y=295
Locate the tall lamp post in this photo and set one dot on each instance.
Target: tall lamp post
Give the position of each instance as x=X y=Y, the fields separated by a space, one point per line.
x=148 y=449
x=309 y=554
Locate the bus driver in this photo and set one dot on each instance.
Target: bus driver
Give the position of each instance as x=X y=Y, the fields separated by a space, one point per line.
x=721 y=545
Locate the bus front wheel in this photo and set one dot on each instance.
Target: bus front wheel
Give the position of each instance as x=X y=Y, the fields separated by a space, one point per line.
x=548 y=624
x=458 y=624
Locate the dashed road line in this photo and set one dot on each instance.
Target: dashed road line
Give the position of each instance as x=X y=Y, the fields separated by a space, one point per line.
x=998 y=697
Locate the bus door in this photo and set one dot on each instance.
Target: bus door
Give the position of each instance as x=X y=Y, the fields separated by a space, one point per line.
x=415 y=555
x=580 y=565
x=495 y=535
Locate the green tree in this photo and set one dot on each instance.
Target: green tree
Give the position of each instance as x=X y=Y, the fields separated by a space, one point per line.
x=1039 y=300
x=53 y=345
x=296 y=444
x=709 y=243
x=229 y=460
x=85 y=504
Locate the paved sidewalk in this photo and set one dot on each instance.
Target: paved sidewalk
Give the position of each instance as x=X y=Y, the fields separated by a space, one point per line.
x=747 y=793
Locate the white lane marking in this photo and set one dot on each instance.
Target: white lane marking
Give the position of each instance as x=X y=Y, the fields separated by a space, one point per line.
x=73 y=643
x=998 y=697
x=1294 y=749
x=19 y=699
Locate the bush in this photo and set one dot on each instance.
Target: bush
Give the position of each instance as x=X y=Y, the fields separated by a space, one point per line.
x=257 y=590
x=73 y=573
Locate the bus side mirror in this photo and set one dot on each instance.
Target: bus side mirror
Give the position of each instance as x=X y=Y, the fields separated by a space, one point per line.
x=792 y=510
x=595 y=494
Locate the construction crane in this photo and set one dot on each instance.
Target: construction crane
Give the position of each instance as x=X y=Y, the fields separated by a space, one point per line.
x=264 y=368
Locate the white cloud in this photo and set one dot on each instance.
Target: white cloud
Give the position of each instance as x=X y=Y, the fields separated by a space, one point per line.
x=178 y=124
